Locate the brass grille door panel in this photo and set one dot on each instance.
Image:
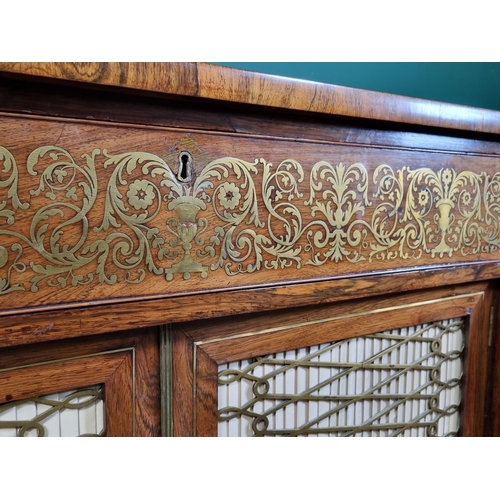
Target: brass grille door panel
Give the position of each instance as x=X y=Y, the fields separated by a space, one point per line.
x=65 y=414
x=411 y=365
x=107 y=386
x=194 y=250
x=404 y=382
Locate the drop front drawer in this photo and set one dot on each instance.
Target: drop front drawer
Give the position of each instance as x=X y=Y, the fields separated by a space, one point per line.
x=90 y=212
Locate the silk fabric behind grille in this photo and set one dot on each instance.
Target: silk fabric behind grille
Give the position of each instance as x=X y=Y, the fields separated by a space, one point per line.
x=403 y=382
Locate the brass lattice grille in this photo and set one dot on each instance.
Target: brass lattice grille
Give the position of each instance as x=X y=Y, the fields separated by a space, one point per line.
x=402 y=382
x=72 y=413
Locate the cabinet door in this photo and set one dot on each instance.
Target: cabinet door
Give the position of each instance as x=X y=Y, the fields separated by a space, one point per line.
x=105 y=386
x=411 y=365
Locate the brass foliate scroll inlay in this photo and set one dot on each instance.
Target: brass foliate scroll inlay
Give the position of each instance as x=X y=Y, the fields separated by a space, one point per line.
x=106 y=218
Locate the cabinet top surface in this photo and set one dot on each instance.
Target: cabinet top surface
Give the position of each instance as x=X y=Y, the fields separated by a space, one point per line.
x=208 y=81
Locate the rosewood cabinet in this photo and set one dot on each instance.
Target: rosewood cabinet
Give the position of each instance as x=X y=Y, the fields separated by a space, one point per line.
x=191 y=250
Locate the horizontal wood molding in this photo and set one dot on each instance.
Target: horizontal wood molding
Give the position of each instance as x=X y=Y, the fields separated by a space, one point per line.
x=59 y=375
x=228 y=84
x=101 y=105
x=231 y=339
x=77 y=321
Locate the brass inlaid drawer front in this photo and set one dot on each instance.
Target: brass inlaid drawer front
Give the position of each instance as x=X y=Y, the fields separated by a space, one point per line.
x=151 y=212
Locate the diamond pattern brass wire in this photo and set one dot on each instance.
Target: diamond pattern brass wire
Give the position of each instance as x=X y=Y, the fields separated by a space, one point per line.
x=397 y=383
x=90 y=397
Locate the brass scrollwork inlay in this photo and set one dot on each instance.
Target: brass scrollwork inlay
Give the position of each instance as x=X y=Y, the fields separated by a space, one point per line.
x=234 y=215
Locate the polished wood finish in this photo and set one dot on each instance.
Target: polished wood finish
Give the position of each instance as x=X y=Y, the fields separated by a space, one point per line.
x=112 y=370
x=94 y=319
x=104 y=104
x=73 y=212
x=64 y=375
x=493 y=408
x=183 y=388
x=56 y=305
x=477 y=368
x=120 y=418
x=228 y=84
x=126 y=363
x=234 y=338
x=205 y=412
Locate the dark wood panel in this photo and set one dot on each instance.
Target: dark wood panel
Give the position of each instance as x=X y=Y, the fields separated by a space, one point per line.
x=228 y=340
x=476 y=368
x=182 y=385
x=493 y=421
x=147 y=384
x=72 y=321
x=57 y=376
x=119 y=400
x=227 y=84
x=206 y=395
x=95 y=211
x=124 y=362
x=114 y=370
x=100 y=105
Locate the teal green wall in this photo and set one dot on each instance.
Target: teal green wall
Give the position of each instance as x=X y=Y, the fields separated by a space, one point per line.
x=472 y=84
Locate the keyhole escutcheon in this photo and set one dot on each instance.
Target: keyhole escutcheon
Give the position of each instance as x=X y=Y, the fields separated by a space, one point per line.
x=185 y=170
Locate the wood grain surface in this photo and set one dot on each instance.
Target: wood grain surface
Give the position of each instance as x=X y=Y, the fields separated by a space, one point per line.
x=98 y=212
x=101 y=104
x=228 y=84
x=493 y=388
x=140 y=194
x=232 y=339
x=88 y=320
x=183 y=404
x=57 y=376
x=127 y=364
x=477 y=368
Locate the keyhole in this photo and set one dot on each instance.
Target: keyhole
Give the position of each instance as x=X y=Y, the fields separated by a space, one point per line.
x=185 y=166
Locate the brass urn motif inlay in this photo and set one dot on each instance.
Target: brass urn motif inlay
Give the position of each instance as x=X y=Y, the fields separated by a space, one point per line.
x=234 y=215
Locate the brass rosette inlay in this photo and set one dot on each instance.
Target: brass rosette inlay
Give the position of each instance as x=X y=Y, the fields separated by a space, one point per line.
x=117 y=218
